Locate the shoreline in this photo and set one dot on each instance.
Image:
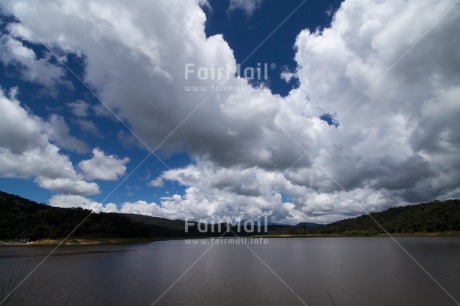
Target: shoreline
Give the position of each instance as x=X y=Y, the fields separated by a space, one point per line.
x=79 y=242
x=114 y=241
x=383 y=235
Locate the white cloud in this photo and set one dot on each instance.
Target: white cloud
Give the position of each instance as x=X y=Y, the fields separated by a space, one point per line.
x=381 y=142
x=19 y=130
x=89 y=126
x=248 y=6
x=157 y=182
x=141 y=208
x=253 y=192
x=288 y=75
x=68 y=185
x=398 y=140
x=59 y=132
x=79 y=108
x=155 y=65
x=75 y=201
x=29 y=67
x=103 y=167
x=26 y=152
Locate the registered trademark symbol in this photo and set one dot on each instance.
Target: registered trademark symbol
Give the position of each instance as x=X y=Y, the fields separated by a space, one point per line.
x=272 y=65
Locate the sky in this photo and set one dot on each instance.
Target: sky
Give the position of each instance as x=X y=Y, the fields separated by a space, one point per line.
x=303 y=111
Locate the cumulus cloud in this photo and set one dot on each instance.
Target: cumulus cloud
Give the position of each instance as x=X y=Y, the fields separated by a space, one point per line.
x=392 y=89
x=68 y=185
x=144 y=80
x=253 y=192
x=382 y=112
x=103 y=167
x=29 y=67
x=75 y=201
x=26 y=151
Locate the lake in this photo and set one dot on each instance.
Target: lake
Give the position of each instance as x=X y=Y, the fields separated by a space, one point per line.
x=276 y=271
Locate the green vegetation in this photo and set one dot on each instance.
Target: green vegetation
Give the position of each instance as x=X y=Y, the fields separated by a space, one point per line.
x=435 y=217
x=22 y=220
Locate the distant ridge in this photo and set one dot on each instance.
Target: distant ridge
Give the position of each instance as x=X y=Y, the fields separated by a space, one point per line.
x=25 y=220
x=433 y=217
x=309 y=224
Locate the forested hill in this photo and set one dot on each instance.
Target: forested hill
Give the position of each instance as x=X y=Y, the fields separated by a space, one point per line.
x=25 y=220
x=22 y=219
x=431 y=217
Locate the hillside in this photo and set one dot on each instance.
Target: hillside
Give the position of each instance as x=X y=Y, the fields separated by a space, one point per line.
x=22 y=219
x=431 y=217
x=25 y=220
x=177 y=227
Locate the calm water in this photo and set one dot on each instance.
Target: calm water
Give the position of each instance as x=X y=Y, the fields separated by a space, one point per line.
x=321 y=271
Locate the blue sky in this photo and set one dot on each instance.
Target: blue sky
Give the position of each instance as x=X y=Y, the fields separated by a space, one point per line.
x=359 y=111
x=243 y=32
